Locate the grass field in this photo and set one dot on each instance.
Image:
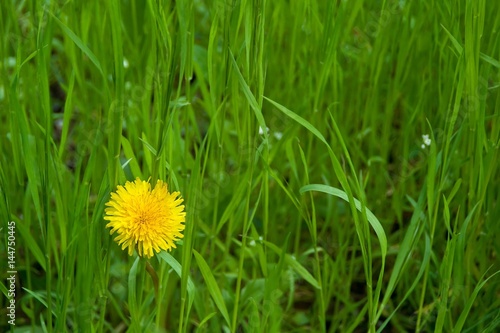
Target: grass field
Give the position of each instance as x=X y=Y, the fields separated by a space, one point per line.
x=338 y=162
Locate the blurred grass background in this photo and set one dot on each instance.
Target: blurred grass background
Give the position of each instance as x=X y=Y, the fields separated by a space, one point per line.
x=338 y=160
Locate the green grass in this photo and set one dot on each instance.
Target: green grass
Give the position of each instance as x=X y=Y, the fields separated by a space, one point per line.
x=339 y=218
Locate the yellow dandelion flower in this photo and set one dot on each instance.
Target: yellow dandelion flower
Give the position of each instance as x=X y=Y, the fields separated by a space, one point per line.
x=148 y=219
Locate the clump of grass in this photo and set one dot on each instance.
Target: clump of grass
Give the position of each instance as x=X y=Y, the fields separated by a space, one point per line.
x=338 y=163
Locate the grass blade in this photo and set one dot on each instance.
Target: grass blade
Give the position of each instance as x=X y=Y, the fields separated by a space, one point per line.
x=374 y=222
x=81 y=45
x=212 y=286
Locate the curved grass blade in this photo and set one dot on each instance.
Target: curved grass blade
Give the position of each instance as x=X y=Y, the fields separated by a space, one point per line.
x=372 y=219
x=212 y=286
x=79 y=43
x=465 y=312
x=176 y=266
x=296 y=266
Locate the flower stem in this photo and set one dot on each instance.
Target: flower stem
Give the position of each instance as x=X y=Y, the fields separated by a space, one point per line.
x=154 y=277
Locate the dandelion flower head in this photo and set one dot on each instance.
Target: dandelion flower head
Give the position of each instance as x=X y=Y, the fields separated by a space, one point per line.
x=145 y=219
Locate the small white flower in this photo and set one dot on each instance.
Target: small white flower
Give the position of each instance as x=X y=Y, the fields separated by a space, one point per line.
x=261 y=131
x=278 y=135
x=125 y=63
x=261 y=238
x=252 y=243
x=58 y=124
x=11 y=62
x=427 y=140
